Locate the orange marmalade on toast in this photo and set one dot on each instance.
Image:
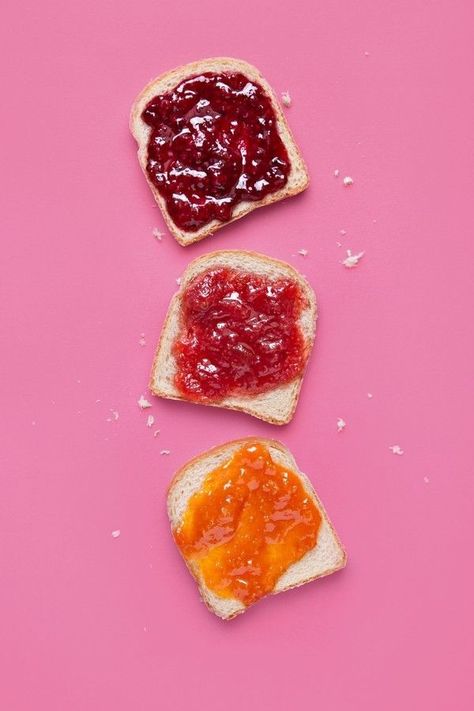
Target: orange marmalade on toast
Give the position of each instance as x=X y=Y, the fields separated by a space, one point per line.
x=249 y=522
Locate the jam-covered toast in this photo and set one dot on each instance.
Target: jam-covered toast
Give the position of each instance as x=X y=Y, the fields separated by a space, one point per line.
x=238 y=335
x=248 y=523
x=214 y=144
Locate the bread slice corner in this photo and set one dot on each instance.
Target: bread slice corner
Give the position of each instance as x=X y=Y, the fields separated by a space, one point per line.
x=327 y=556
x=298 y=178
x=276 y=406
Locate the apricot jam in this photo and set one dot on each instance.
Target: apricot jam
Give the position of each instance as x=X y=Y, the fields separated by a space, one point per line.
x=251 y=519
x=214 y=142
x=239 y=334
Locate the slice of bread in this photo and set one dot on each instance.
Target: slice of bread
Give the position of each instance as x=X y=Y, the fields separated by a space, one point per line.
x=276 y=406
x=325 y=558
x=298 y=177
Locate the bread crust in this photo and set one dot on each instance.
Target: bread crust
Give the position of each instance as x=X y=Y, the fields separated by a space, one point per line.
x=249 y=404
x=298 y=178
x=270 y=444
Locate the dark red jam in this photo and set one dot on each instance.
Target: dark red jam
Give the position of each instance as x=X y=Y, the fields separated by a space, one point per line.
x=239 y=335
x=214 y=142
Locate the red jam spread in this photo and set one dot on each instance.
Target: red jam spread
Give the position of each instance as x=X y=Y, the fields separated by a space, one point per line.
x=251 y=519
x=239 y=335
x=214 y=142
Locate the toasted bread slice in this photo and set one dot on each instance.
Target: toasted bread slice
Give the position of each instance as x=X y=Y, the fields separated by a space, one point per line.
x=276 y=406
x=298 y=176
x=325 y=558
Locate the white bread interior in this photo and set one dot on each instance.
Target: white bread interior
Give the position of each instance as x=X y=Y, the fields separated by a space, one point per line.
x=325 y=558
x=276 y=406
x=297 y=179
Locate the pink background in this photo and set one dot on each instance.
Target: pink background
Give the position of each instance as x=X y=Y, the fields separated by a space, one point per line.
x=93 y=623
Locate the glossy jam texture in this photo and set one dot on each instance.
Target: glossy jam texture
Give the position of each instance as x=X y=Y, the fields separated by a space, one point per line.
x=239 y=335
x=251 y=519
x=213 y=143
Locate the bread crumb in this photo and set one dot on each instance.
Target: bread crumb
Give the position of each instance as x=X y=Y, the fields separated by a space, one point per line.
x=366 y=54
x=370 y=396
x=340 y=424
x=141 y=340
x=426 y=480
x=339 y=244
x=348 y=180
x=342 y=232
x=156 y=233
x=143 y=402
x=303 y=252
x=336 y=173
x=165 y=451
x=178 y=281
x=286 y=98
x=98 y=400
x=156 y=433
x=114 y=417
x=150 y=421
x=116 y=534
x=352 y=260
x=396 y=449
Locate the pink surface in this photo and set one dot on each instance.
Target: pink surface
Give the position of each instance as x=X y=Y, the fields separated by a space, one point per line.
x=97 y=623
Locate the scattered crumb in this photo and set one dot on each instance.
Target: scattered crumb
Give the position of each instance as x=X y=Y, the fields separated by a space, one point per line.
x=114 y=417
x=374 y=221
x=165 y=451
x=426 y=480
x=150 y=421
x=339 y=244
x=78 y=381
x=336 y=173
x=286 y=98
x=303 y=252
x=98 y=400
x=396 y=449
x=141 y=340
x=145 y=629
x=33 y=422
x=116 y=534
x=370 y=396
x=352 y=260
x=156 y=433
x=342 y=232
x=143 y=403
x=340 y=424
x=348 y=180
x=366 y=54
x=178 y=281
x=156 y=233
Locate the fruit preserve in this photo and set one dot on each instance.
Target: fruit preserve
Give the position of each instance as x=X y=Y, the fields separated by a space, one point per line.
x=214 y=142
x=239 y=335
x=250 y=520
